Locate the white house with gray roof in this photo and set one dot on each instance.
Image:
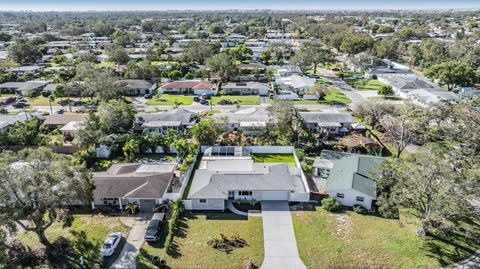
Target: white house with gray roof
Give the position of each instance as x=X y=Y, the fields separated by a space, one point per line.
x=178 y=120
x=347 y=177
x=251 y=121
x=233 y=175
x=329 y=123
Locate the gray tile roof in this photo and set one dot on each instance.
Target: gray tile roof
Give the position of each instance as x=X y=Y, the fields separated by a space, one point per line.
x=254 y=114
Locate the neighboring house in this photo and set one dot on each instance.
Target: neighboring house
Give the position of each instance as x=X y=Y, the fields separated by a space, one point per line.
x=197 y=87
x=346 y=177
x=145 y=184
x=229 y=174
x=329 y=123
x=178 y=120
x=57 y=121
x=133 y=87
x=35 y=69
x=70 y=129
x=298 y=84
x=251 y=120
x=286 y=95
x=29 y=88
x=7 y=120
x=417 y=89
x=246 y=88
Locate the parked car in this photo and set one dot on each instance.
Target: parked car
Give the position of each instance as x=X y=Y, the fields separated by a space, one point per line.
x=153 y=228
x=20 y=104
x=196 y=99
x=9 y=100
x=61 y=111
x=313 y=76
x=110 y=244
x=148 y=96
x=204 y=102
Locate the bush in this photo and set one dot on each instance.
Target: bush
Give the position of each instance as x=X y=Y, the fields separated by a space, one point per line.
x=360 y=209
x=331 y=205
x=177 y=210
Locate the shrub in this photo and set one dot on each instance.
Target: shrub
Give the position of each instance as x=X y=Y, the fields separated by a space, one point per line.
x=177 y=211
x=360 y=209
x=331 y=205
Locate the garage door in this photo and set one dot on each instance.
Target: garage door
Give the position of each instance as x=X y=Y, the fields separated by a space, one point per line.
x=147 y=205
x=275 y=196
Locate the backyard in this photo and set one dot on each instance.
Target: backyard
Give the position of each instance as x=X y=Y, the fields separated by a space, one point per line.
x=86 y=235
x=238 y=99
x=364 y=84
x=190 y=249
x=350 y=240
x=274 y=158
x=170 y=100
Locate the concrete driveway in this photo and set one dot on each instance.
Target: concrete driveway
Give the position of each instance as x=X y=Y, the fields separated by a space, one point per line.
x=279 y=238
x=128 y=256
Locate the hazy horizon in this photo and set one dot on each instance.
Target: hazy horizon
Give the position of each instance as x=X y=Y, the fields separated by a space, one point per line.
x=143 y=5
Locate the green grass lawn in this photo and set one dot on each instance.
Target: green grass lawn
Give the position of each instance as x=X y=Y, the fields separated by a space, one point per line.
x=240 y=99
x=335 y=97
x=86 y=234
x=364 y=84
x=274 y=158
x=190 y=249
x=170 y=100
x=359 y=241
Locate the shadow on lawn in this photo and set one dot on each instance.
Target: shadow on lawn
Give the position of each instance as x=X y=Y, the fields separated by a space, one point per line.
x=454 y=246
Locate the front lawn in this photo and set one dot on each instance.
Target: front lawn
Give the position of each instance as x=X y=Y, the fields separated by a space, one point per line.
x=274 y=158
x=190 y=249
x=170 y=100
x=237 y=99
x=365 y=84
x=335 y=97
x=350 y=240
x=86 y=234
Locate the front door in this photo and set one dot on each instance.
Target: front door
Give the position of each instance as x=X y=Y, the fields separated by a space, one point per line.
x=231 y=195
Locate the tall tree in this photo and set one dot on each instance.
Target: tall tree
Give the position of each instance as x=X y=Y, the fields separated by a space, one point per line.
x=427 y=183
x=115 y=116
x=453 y=74
x=222 y=65
x=37 y=186
x=206 y=132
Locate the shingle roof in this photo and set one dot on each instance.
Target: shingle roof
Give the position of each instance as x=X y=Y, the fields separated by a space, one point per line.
x=351 y=171
x=179 y=115
x=189 y=84
x=137 y=83
x=254 y=114
x=130 y=181
x=263 y=177
x=324 y=117
x=63 y=119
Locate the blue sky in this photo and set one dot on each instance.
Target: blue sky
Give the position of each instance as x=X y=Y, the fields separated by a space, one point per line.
x=81 y=5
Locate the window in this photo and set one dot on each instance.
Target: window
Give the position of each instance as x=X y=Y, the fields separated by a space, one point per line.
x=340 y=195
x=202 y=201
x=360 y=198
x=245 y=193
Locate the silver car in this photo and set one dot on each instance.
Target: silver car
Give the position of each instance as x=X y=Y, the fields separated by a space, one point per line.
x=110 y=244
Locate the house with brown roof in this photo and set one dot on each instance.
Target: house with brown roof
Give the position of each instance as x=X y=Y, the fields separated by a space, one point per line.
x=196 y=87
x=145 y=184
x=68 y=125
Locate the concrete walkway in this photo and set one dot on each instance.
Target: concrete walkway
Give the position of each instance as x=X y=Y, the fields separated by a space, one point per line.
x=128 y=257
x=279 y=238
x=234 y=210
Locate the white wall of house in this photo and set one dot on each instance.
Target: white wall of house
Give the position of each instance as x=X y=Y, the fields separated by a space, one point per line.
x=350 y=198
x=208 y=204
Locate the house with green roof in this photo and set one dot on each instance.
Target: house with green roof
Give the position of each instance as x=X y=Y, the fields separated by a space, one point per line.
x=347 y=176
